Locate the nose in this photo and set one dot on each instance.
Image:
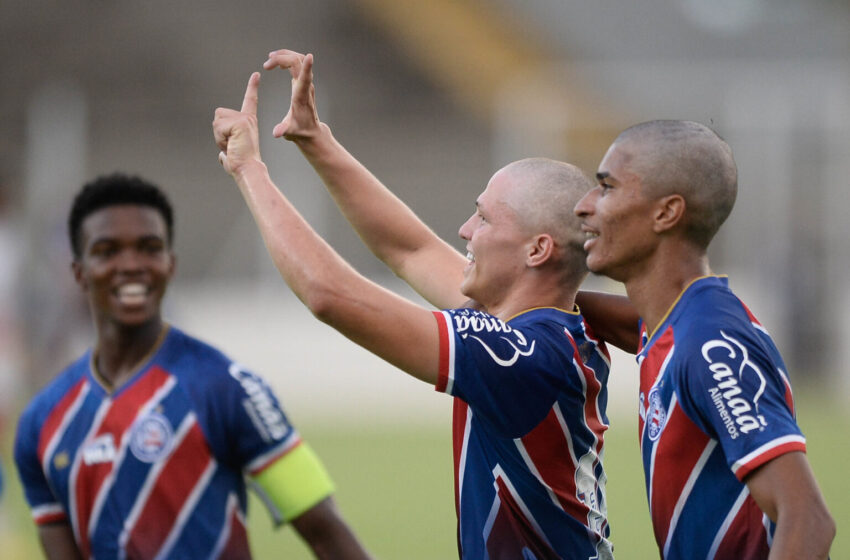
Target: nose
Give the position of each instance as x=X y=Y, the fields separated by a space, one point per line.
x=584 y=207
x=465 y=229
x=129 y=260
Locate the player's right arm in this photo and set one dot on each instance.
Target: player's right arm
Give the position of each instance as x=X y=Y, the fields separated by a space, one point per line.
x=390 y=229
x=57 y=540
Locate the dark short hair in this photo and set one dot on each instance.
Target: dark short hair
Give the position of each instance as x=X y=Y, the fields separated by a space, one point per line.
x=114 y=190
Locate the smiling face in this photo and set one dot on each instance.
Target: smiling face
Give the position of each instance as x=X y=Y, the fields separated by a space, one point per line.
x=125 y=264
x=617 y=217
x=495 y=243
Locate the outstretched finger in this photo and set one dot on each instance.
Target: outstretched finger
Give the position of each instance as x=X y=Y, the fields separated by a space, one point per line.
x=249 y=104
x=302 y=86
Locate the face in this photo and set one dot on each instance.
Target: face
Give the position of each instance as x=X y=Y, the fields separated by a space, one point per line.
x=617 y=218
x=495 y=244
x=125 y=265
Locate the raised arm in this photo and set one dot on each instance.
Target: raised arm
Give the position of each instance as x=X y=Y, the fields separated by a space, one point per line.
x=391 y=327
x=385 y=224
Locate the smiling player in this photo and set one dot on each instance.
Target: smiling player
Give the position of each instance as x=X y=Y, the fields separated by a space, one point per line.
x=141 y=447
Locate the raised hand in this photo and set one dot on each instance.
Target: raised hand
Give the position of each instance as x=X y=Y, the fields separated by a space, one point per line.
x=302 y=119
x=236 y=131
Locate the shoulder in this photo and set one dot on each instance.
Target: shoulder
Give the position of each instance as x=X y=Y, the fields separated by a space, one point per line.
x=60 y=387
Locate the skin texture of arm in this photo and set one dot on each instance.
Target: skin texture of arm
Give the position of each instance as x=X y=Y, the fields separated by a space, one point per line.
x=390 y=229
x=324 y=530
x=389 y=326
x=785 y=489
x=613 y=318
x=57 y=540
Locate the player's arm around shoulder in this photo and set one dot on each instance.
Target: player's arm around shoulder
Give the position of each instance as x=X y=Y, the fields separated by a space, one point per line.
x=299 y=487
x=786 y=490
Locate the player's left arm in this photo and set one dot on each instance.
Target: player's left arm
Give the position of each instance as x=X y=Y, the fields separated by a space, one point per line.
x=300 y=489
x=786 y=491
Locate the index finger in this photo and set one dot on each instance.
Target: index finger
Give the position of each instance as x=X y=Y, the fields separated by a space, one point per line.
x=249 y=104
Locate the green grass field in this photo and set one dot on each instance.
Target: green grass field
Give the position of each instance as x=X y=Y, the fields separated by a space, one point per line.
x=395 y=488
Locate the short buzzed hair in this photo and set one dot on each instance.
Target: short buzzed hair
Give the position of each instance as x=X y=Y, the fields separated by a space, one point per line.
x=113 y=190
x=689 y=159
x=551 y=191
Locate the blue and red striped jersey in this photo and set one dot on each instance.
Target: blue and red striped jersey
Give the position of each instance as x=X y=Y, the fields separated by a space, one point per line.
x=529 y=422
x=715 y=404
x=156 y=468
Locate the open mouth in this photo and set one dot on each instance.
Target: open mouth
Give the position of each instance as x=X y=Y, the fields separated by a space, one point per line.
x=132 y=294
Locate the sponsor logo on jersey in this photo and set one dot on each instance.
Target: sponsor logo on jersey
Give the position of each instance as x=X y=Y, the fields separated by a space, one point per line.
x=729 y=363
x=99 y=450
x=467 y=323
x=656 y=415
x=151 y=438
x=260 y=405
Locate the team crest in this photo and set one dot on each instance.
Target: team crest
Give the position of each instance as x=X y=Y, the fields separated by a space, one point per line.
x=151 y=438
x=655 y=415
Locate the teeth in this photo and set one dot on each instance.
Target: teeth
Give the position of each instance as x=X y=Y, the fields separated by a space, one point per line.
x=132 y=294
x=132 y=290
x=590 y=235
x=470 y=257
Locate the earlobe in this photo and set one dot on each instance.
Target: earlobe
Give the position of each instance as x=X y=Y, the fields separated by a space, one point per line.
x=670 y=211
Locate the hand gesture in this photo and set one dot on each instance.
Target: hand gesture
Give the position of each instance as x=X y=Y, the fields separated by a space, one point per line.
x=302 y=120
x=236 y=131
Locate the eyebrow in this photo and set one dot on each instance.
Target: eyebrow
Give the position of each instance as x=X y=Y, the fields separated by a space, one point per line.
x=602 y=175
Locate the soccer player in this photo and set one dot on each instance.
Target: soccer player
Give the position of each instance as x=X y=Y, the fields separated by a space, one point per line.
x=529 y=376
x=141 y=447
x=726 y=472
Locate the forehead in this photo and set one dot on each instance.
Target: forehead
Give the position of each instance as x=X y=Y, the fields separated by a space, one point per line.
x=499 y=189
x=123 y=220
x=619 y=161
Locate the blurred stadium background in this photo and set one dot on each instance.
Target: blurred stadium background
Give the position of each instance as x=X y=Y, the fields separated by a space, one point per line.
x=433 y=97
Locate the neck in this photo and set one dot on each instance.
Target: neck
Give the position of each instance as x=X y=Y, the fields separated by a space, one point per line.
x=120 y=349
x=654 y=290
x=538 y=293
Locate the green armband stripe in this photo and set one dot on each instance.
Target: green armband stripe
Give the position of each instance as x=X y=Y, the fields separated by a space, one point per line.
x=294 y=483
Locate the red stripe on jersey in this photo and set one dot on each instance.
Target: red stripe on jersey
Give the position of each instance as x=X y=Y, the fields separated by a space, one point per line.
x=677 y=452
x=650 y=367
x=51 y=516
x=175 y=483
x=548 y=449
x=768 y=455
x=460 y=413
x=512 y=534
x=117 y=420
x=746 y=538
x=591 y=336
x=443 y=370
x=57 y=415
x=237 y=543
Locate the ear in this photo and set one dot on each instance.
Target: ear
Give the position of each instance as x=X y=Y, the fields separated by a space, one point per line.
x=173 y=267
x=541 y=248
x=77 y=271
x=669 y=211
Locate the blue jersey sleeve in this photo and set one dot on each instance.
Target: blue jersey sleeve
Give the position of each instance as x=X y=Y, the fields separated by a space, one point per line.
x=249 y=429
x=509 y=376
x=738 y=393
x=44 y=504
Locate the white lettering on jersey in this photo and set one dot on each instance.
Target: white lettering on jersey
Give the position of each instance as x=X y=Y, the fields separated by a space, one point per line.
x=99 y=450
x=479 y=322
x=260 y=405
x=727 y=394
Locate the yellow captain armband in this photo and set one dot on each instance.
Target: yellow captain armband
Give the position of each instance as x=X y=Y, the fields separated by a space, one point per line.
x=293 y=484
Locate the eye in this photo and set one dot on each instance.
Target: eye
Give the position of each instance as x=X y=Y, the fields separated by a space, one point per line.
x=103 y=250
